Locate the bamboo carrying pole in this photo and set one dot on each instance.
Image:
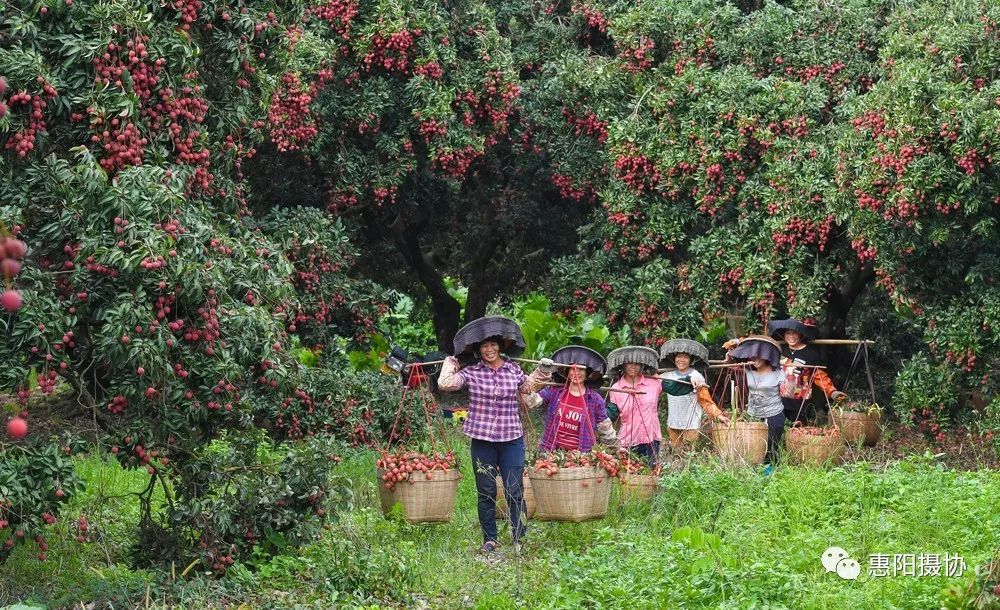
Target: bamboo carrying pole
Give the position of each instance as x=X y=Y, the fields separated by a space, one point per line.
x=674 y=380
x=600 y=389
x=815 y=342
x=791 y=364
x=429 y=362
x=840 y=342
x=821 y=342
x=539 y=362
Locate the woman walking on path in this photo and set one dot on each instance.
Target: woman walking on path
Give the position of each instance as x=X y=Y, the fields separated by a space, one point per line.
x=577 y=417
x=495 y=385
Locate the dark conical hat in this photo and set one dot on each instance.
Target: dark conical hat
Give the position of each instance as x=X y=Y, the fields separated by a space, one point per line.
x=697 y=351
x=636 y=354
x=758 y=346
x=578 y=354
x=777 y=328
x=504 y=330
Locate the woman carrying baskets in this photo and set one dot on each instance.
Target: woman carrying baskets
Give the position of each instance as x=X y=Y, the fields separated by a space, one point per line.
x=495 y=386
x=639 y=430
x=763 y=377
x=576 y=417
x=688 y=397
x=800 y=374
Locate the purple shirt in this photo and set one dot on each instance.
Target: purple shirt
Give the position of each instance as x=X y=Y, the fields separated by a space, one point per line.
x=596 y=413
x=493 y=401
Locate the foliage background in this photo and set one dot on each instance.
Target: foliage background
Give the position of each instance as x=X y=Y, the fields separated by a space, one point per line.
x=234 y=209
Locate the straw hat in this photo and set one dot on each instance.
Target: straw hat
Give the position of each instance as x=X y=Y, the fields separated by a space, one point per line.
x=503 y=330
x=578 y=354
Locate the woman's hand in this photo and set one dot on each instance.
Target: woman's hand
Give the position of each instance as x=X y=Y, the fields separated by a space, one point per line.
x=723 y=418
x=533 y=400
x=449 y=380
x=544 y=369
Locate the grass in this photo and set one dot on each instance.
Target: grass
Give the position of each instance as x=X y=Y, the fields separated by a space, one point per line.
x=97 y=570
x=772 y=532
x=711 y=538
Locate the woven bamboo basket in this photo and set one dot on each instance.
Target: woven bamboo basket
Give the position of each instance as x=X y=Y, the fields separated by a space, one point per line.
x=529 y=497
x=423 y=500
x=640 y=486
x=571 y=494
x=856 y=427
x=813 y=449
x=741 y=442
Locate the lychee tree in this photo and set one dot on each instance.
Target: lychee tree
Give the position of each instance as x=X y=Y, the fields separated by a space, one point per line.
x=917 y=176
x=412 y=112
x=785 y=160
x=147 y=288
x=714 y=155
x=330 y=303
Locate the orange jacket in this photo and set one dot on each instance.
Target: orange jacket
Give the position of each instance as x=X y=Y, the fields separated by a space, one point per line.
x=707 y=404
x=822 y=381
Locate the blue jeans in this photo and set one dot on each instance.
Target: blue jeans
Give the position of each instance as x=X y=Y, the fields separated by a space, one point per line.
x=649 y=451
x=506 y=459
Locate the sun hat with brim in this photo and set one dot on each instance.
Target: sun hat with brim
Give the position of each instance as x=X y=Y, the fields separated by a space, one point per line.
x=503 y=330
x=578 y=354
x=697 y=351
x=757 y=346
x=777 y=328
x=634 y=354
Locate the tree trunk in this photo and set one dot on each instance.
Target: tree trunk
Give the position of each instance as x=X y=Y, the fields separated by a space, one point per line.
x=477 y=299
x=842 y=299
x=482 y=286
x=445 y=310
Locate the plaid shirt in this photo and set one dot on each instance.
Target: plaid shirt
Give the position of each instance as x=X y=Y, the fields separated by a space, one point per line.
x=493 y=401
x=596 y=413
